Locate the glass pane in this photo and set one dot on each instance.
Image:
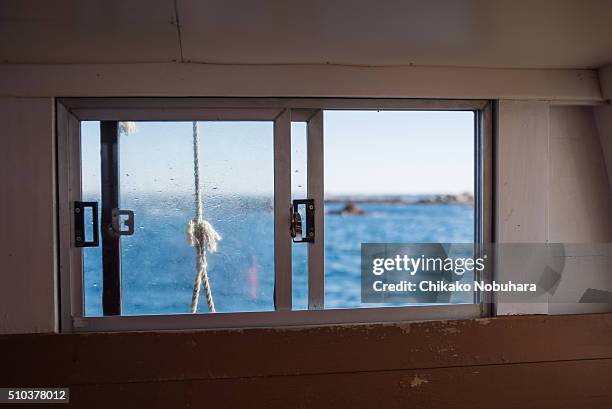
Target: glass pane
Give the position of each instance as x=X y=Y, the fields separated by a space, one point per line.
x=237 y=180
x=90 y=192
x=393 y=177
x=157 y=183
x=299 y=177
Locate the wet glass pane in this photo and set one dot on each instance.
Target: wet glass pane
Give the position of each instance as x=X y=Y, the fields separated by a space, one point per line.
x=299 y=172
x=157 y=183
x=393 y=177
x=237 y=181
x=90 y=192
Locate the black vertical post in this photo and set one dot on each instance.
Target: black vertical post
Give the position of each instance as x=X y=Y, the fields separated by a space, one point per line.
x=111 y=250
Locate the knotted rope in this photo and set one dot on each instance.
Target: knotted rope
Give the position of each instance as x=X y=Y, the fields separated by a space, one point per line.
x=200 y=233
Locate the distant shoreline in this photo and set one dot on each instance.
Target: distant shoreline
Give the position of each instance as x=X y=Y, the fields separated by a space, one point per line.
x=351 y=203
x=464 y=199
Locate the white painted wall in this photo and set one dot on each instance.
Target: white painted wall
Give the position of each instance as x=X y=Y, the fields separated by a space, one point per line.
x=522 y=178
x=532 y=139
x=580 y=204
x=580 y=201
x=188 y=79
x=522 y=171
x=552 y=186
x=28 y=268
x=603 y=116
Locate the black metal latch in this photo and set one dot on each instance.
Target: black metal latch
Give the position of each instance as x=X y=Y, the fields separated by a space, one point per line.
x=79 y=224
x=118 y=222
x=297 y=232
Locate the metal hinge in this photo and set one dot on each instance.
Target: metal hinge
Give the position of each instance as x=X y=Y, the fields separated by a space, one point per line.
x=79 y=224
x=298 y=233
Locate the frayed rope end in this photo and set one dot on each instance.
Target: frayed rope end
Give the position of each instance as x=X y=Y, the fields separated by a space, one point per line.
x=200 y=233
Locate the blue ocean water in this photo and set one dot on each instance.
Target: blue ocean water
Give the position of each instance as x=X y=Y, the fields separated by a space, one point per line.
x=158 y=264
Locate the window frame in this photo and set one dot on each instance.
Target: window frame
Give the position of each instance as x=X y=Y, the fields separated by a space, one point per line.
x=283 y=111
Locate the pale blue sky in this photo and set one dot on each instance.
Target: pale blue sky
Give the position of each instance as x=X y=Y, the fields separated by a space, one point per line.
x=396 y=152
x=366 y=152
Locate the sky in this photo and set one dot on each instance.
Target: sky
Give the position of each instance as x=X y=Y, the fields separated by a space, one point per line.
x=366 y=152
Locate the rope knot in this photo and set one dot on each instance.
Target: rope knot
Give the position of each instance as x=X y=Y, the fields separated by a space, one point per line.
x=201 y=234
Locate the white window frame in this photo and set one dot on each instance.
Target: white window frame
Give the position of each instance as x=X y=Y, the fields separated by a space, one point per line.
x=71 y=111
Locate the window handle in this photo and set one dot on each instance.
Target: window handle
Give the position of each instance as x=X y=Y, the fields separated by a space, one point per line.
x=297 y=231
x=79 y=224
x=117 y=222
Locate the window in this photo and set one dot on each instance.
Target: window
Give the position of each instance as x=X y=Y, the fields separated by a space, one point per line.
x=346 y=172
x=379 y=167
x=156 y=182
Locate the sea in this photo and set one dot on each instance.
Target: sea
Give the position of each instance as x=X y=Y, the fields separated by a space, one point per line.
x=158 y=264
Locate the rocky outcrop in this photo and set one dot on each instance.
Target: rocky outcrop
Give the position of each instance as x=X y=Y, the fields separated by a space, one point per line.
x=350 y=208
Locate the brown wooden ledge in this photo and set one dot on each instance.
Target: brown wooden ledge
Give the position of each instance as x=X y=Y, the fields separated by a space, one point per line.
x=506 y=362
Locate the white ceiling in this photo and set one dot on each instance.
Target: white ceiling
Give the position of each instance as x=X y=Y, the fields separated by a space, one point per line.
x=476 y=33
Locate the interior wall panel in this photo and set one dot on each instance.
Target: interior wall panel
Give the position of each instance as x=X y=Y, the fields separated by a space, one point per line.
x=553 y=385
x=27 y=216
x=580 y=203
x=580 y=199
x=176 y=79
x=603 y=116
x=522 y=182
x=507 y=362
x=86 y=31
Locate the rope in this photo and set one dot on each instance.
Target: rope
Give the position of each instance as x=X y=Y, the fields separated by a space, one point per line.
x=196 y=170
x=127 y=127
x=200 y=233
